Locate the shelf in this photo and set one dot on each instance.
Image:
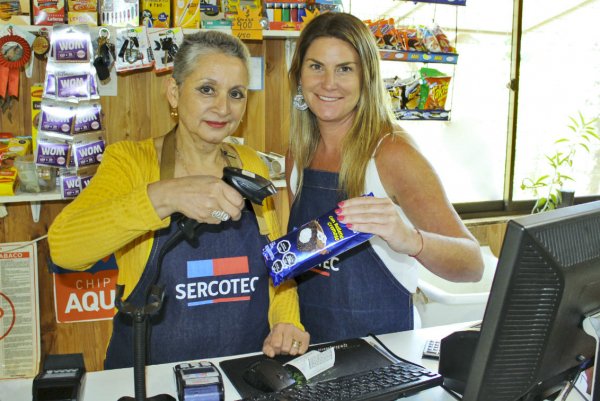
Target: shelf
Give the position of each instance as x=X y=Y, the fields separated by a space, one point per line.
x=35 y=200
x=448 y=2
x=418 y=57
x=32 y=197
x=424 y=115
x=267 y=34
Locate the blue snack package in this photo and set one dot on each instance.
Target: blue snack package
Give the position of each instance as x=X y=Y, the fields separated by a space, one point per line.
x=308 y=245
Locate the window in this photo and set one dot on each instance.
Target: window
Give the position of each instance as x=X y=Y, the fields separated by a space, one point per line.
x=559 y=77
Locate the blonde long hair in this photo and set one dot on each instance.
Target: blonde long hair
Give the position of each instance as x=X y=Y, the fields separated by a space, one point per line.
x=374 y=117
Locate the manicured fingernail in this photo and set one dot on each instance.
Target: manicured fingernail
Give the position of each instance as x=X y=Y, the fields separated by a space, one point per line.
x=340 y=217
x=338 y=211
x=349 y=225
x=341 y=204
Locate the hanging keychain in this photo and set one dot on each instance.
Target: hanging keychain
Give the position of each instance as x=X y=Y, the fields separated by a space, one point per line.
x=41 y=44
x=132 y=53
x=106 y=56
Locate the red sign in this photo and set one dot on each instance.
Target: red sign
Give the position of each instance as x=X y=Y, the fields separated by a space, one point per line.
x=85 y=296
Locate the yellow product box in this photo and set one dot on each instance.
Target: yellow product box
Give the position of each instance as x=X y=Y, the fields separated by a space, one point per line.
x=82 y=18
x=36 y=107
x=8 y=181
x=18 y=147
x=80 y=6
x=186 y=13
x=156 y=13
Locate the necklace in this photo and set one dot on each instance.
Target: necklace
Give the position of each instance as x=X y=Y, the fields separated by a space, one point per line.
x=224 y=156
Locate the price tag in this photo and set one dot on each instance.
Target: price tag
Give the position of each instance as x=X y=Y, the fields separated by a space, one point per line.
x=246 y=24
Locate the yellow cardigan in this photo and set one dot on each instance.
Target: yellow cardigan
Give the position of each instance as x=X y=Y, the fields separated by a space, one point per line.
x=114 y=215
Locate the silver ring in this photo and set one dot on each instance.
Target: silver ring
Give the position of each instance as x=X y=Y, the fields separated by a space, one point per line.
x=220 y=215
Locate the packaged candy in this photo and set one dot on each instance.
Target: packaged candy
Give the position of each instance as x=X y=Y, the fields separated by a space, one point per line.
x=412 y=93
x=442 y=39
x=308 y=245
x=429 y=40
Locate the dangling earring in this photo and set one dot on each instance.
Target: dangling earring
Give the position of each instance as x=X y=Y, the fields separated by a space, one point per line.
x=174 y=113
x=299 y=102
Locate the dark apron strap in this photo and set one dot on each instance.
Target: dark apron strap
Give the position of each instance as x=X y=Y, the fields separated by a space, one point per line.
x=167 y=156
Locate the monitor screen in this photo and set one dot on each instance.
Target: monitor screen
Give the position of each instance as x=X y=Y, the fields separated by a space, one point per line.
x=547 y=280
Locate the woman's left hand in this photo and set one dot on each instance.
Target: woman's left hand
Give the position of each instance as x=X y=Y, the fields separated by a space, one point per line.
x=379 y=216
x=287 y=339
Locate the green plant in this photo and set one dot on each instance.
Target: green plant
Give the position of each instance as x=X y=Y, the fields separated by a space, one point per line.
x=547 y=188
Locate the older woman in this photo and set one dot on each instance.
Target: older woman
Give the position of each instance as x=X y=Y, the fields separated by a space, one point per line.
x=219 y=300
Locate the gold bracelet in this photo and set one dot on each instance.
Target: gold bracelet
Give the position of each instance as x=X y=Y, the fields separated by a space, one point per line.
x=422 y=244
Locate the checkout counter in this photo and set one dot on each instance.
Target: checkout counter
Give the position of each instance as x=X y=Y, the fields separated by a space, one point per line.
x=110 y=385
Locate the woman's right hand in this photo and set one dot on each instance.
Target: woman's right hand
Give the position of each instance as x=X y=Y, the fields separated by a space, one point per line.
x=196 y=197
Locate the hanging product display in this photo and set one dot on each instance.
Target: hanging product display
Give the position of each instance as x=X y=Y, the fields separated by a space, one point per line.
x=71 y=131
x=423 y=95
x=165 y=44
x=41 y=44
x=105 y=55
x=15 y=52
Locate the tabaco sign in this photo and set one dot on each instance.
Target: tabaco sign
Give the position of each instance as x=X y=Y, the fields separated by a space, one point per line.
x=85 y=296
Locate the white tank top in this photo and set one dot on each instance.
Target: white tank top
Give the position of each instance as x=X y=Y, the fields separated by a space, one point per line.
x=402 y=266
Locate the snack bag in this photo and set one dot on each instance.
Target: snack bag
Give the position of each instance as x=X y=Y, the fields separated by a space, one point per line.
x=308 y=245
x=429 y=40
x=434 y=89
x=412 y=94
x=442 y=39
x=437 y=92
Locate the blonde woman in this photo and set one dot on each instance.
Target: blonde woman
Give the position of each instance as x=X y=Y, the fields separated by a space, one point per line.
x=345 y=142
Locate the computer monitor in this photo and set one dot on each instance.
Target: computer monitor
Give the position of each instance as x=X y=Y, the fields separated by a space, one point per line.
x=547 y=281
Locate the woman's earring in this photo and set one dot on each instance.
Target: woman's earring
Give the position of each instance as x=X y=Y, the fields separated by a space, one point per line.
x=299 y=102
x=174 y=113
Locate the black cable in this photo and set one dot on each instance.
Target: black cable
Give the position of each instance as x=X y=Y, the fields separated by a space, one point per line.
x=141 y=329
x=374 y=337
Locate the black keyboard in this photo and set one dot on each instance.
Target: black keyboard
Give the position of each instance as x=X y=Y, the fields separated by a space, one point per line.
x=388 y=383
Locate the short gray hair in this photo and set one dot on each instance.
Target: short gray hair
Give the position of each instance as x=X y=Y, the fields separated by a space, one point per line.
x=206 y=42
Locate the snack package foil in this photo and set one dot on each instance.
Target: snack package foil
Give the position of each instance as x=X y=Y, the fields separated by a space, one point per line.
x=305 y=247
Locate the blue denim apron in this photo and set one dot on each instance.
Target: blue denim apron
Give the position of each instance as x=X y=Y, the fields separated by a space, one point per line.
x=216 y=297
x=350 y=295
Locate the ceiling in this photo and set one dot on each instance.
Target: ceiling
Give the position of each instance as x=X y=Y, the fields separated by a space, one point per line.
x=478 y=15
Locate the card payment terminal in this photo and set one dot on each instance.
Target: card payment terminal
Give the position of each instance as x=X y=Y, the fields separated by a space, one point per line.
x=198 y=381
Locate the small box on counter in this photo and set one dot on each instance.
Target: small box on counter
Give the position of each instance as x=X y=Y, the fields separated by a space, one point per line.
x=312 y=243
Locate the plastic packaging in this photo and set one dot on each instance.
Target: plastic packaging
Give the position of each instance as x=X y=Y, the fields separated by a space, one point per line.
x=310 y=244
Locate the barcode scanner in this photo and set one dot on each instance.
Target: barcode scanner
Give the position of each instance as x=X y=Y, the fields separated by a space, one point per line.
x=251 y=186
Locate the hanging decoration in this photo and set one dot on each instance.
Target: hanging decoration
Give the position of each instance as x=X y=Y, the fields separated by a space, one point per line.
x=15 y=52
x=41 y=44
